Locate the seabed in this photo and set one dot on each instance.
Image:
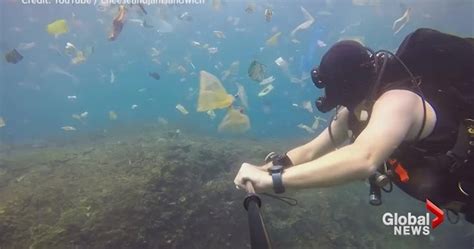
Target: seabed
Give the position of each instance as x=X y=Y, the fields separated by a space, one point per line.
x=152 y=187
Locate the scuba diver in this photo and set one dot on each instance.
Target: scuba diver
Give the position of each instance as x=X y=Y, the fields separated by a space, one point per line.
x=406 y=118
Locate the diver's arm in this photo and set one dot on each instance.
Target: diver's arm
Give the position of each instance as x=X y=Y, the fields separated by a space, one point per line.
x=322 y=144
x=391 y=121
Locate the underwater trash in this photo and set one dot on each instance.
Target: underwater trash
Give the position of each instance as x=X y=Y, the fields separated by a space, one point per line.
x=2 y=122
x=117 y=24
x=212 y=95
x=181 y=109
x=133 y=107
x=84 y=114
x=321 y=44
x=162 y=121
x=307 y=106
x=212 y=50
x=281 y=63
x=72 y=97
x=250 y=8
x=57 y=27
x=242 y=95
x=268 y=14
x=401 y=22
x=265 y=90
x=76 y=116
x=112 y=77
x=26 y=46
x=68 y=128
x=211 y=114
x=295 y=41
x=257 y=71
x=195 y=44
x=349 y=27
x=219 y=34
x=306 y=128
x=185 y=17
x=273 y=41
x=267 y=80
x=317 y=122
x=232 y=71
x=235 y=121
x=154 y=75
x=154 y=52
x=80 y=58
x=13 y=56
x=57 y=70
x=70 y=49
x=141 y=90
x=113 y=115
x=309 y=20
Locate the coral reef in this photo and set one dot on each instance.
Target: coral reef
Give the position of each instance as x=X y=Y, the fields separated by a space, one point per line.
x=162 y=189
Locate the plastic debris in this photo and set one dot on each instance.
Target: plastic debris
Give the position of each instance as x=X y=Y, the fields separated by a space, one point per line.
x=181 y=109
x=281 y=63
x=268 y=14
x=257 y=71
x=134 y=107
x=2 y=122
x=211 y=114
x=273 y=41
x=68 y=128
x=117 y=24
x=242 y=95
x=185 y=17
x=267 y=80
x=309 y=20
x=213 y=50
x=113 y=115
x=154 y=75
x=141 y=90
x=235 y=121
x=232 y=71
x=400 y=23
x=26 y=46
x=250 y=8
x=306 y=128
x=212 y=95
x=321 y=44
x=57 y=27
x=70 y=49
x=72 y=97
x=219 y=34
x=317 y=122
x=307 y=106
x=84 y=115
x=80 y=58
x=265 y=90
x=112 y=77
x=13 y=56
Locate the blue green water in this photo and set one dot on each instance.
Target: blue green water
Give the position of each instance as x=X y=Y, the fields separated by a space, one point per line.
x=34 y=101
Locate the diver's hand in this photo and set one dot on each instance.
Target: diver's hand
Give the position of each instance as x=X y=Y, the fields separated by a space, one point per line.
x=260 y=179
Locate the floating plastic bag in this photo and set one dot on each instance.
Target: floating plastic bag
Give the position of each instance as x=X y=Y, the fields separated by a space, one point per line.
x=57 y=27
x=212 y=95
x=235 y=122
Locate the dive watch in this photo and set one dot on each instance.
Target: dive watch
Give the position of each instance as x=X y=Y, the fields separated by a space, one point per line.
x=276 y=172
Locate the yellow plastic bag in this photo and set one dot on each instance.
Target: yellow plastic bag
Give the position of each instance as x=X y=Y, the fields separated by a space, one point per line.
x=212 y=95
x=235 y=122
x=57 y=27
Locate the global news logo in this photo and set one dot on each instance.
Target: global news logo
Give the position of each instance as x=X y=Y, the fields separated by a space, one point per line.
x=410 y=224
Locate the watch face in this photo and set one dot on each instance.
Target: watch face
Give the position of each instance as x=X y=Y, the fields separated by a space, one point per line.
x=276 y=169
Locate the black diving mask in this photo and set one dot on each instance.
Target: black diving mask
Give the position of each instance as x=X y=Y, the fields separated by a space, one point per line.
x=323 y=103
